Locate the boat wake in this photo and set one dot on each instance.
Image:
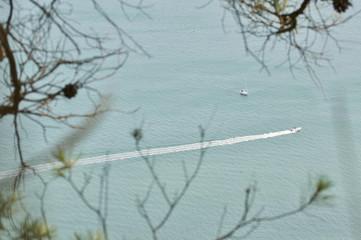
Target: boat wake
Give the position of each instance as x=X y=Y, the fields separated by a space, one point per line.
x=155 y=151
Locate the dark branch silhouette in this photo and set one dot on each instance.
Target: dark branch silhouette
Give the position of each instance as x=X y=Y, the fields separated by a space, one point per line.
x=299 y=25
x=47 y=58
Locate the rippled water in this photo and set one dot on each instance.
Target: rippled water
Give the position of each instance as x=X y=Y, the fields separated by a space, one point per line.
x=193 y=78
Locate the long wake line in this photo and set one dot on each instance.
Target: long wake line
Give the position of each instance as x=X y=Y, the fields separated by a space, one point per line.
x=156 y=151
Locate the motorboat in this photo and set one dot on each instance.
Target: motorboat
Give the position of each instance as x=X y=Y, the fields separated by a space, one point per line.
x=295 y=129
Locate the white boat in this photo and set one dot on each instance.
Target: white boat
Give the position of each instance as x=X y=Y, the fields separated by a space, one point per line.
x=295 y=129
x=244 y=92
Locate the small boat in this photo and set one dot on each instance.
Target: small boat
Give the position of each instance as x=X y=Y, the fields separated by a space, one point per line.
x=295 y=129
x=244 y=92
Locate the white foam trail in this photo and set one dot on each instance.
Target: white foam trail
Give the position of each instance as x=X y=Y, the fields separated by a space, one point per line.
x=154 y=151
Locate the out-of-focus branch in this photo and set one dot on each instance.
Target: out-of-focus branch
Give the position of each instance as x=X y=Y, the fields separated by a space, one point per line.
x=64 y=170
x=318 y=195
x=172 y=203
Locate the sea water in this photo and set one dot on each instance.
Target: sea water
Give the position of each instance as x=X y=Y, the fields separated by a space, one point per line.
x=193 y=78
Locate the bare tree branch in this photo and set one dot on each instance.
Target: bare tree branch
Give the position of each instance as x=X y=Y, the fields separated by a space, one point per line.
x=47 y=58
x=317 y=195
x=292 y=23
x=171 y=203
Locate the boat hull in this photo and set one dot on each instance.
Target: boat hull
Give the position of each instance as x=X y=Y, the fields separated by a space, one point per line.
x=243 y=92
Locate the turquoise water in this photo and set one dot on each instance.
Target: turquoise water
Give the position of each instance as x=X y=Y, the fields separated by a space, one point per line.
x=193 y=78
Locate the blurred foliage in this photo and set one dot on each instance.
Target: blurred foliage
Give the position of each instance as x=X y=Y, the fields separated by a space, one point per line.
x=323 y=184
x=63 y=161
x=137 y=134
x=89 y=236
x=16 y=223
x=317 y=191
